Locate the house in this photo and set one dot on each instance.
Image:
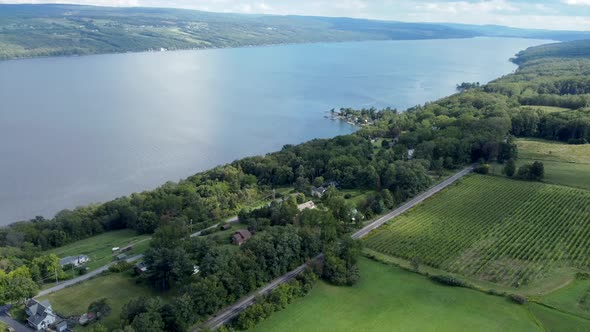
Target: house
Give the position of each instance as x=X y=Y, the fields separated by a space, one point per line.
x=140 y=268
x=74 y=260
x=241 y=236
x=318 y=191
x=225 y=227
x=40 y=314
x=306 y=205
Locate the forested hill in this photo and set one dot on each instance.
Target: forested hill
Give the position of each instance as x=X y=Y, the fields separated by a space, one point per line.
x=52 y=30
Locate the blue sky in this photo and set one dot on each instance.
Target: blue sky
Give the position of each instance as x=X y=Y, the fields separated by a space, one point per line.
x=554 y=14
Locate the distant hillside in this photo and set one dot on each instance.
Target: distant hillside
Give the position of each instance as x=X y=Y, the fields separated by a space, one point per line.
x=51 y=30
x=579 y=49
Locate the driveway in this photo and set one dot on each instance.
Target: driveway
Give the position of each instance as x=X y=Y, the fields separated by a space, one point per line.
x=17 y=326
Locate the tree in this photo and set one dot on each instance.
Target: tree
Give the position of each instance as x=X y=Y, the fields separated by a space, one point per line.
x=538 y=171
x=532 y=172
x=148 y=322
x=100 y=308
x=509 y=168
x=167 y=266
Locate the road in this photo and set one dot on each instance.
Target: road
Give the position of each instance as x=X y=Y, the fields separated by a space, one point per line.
x=228 y=221
x=16 y=325
x=408 y=205
x=84 y=277
x=77 y=280
x=230 y=312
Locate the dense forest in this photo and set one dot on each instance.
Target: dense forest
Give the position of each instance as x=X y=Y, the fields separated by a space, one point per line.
x=54 y=30
x=395 y=157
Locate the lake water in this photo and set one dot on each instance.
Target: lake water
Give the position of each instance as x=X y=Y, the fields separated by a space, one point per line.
x=87 y=129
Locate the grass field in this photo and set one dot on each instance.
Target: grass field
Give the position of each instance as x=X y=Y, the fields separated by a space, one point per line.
x=565 y=164
x=118 y=288
x=489 y=228
x=98 y=248
x=570 y=298
x=391 y=299
x=548 y=109
x=555 y=321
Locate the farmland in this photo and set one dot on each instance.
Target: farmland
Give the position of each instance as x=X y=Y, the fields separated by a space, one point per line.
x=565 y=164
x=507 y=232
x=388 y=298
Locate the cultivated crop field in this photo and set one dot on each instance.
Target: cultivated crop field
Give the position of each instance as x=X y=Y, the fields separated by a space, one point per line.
x=494 y=229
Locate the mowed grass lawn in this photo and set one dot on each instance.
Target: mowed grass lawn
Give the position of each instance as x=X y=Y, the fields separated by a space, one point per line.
x=99 y=248
x=565 y=164
x=509 y=232
x=118 y=288
x=388 y=298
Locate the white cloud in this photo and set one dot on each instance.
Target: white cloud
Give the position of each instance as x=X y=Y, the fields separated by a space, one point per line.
x=577 y=2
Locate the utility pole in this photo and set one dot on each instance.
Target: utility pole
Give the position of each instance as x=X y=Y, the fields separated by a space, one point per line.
x=56 y=280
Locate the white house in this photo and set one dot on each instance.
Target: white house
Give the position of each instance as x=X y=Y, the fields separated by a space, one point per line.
x=74 y=260
x=40 y=314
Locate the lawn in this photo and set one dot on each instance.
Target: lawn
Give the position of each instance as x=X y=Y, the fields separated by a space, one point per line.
x=98 y=248
x=118 y=288
x=357 y=196
x=565 y=164
x=509 y=232
x=388 y=298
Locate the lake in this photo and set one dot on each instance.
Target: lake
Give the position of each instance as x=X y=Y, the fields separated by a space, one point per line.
x=87 y=129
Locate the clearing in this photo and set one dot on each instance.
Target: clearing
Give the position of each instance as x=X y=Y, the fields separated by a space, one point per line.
x=388 y=298
x=118 y=288
x=99 y=247
x=509 y=232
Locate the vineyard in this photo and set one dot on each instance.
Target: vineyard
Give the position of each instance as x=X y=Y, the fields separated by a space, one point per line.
x=494 y=229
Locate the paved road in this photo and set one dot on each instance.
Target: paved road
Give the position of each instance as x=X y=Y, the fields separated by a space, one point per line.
x=415 y=201
x=228 y=221
x=230 y=312
x=67 y=283
x=16 y=325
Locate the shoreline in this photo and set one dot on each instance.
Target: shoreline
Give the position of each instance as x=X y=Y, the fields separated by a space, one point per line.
x=325 y=114
x=257 y=46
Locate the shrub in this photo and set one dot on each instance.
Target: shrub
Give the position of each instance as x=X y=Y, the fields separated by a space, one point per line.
x=482 y=169
x=449 y=281
x=347 y=196
x=518 y=298
x=120 y=267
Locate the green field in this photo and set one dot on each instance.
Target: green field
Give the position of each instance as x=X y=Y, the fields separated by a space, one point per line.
x=555 y=321
x=548 y=109
x=489 y=228
x=118 y=288
x=99 y=248
x=388 y=298
x=565 y=164
x=571 y=298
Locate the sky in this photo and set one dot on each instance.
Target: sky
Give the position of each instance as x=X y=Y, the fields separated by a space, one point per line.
x=553 y=14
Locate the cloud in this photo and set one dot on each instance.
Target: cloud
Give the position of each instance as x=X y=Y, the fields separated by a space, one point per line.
x=577 y=2
x=543 y=14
